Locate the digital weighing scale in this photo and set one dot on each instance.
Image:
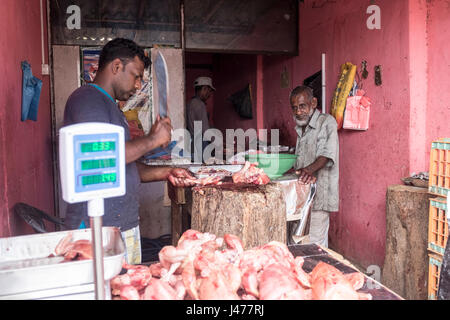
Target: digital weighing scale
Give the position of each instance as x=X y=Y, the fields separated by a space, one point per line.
x=92 y=168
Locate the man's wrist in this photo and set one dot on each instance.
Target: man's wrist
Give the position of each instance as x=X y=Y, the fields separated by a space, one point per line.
x=152 y=142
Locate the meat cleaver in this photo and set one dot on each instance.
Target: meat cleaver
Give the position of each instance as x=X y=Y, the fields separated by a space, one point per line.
x=162 y=83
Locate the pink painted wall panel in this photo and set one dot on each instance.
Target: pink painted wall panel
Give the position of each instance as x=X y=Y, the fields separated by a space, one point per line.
x=25 y=147
x=277 y=110
x=372 y=160
x=438 y=111
x=418 y=60
x=232 y=73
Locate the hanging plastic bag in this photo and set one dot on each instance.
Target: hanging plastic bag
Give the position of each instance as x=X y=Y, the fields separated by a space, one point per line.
x=242 y=102
x=343 y=89
x=31 y=92
x=357 y=111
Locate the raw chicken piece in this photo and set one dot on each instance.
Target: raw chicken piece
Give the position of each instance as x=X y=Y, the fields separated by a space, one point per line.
x=328 y=283
x=79 y=250
x=213 y=171
x=210 y=180
x=233 y=251
x=278 y=283
x=63 y=245
x=191 y=239
x=74 y=250
x=170 y=255
x=207 y=258
x=220 y=285
x=253 y=262
x=155 y=269
x=189 y=278
x=189 y=244
x=250 y=174
x=233 y=243
x=299 y=273
x=356 y=279
x=158 y=289
x=129 y=293
x=137 y=276
x=211 y=275
x=176 y=281
x=279 y=251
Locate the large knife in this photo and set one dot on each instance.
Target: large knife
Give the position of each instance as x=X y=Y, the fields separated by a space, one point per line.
x=162 y=83
x=162 y=79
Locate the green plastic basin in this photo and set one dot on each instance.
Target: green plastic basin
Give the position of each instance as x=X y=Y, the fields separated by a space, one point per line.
x=273 y=164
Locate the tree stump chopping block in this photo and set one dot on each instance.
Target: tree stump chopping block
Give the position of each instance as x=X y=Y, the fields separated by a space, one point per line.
x=405 y=267
x=256 y=214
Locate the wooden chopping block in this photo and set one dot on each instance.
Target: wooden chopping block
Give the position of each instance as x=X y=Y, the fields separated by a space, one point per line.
x=406 y=259
x=256 y=214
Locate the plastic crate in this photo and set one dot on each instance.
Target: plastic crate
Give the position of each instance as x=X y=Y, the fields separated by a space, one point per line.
x=438 y=225
x=434 y=270
x=439 y=174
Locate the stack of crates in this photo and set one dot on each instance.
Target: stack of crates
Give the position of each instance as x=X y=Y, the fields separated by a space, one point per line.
x=438 y=186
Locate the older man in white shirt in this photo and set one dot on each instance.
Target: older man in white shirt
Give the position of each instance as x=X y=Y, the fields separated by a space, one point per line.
x=317 y=153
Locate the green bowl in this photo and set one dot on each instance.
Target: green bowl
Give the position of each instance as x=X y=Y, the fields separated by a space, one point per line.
x=273 y=164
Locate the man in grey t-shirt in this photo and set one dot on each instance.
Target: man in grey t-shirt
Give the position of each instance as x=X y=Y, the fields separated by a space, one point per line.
x=119 y=75
x=317 y=153
x=196 y=111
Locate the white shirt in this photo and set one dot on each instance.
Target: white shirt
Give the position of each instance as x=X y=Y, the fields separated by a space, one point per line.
x=321 y=139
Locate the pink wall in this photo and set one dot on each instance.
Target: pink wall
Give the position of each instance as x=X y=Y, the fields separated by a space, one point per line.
x=232 y=73
x=369 y=161
x=25 y=147
x=418 y=59
x=438 y=100
x=406 y=115
x=277 y=110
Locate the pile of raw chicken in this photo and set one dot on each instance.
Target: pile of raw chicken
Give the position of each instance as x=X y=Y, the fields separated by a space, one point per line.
x=249 y=174
x=203 y=266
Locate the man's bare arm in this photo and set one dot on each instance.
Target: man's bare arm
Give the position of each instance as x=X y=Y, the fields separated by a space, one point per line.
x=159 y=135
x=306 y=174
x=179 y=177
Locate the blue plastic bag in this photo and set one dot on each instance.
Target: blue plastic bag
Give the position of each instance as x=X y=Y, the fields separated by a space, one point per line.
x=31 y=92
x=159 y=152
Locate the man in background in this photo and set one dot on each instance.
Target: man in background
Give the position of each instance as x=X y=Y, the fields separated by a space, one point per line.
x=196 y=111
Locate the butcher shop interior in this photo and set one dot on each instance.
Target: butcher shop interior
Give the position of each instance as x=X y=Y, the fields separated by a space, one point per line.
x=224 y=150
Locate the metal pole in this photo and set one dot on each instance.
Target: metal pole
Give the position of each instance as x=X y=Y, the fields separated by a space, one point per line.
x=183 y=35
x=324 y=91
x=95 y=211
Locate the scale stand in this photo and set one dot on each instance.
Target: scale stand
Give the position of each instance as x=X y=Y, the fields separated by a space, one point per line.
x=95 y=212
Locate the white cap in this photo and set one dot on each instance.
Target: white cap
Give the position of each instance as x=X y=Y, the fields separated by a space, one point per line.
x=204 y=81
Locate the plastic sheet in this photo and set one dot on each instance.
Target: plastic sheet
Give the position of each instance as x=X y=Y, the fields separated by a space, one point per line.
x=295 y=193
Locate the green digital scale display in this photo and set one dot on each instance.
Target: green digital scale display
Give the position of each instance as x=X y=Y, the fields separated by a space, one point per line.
x=98 y=146
x=93 y=161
